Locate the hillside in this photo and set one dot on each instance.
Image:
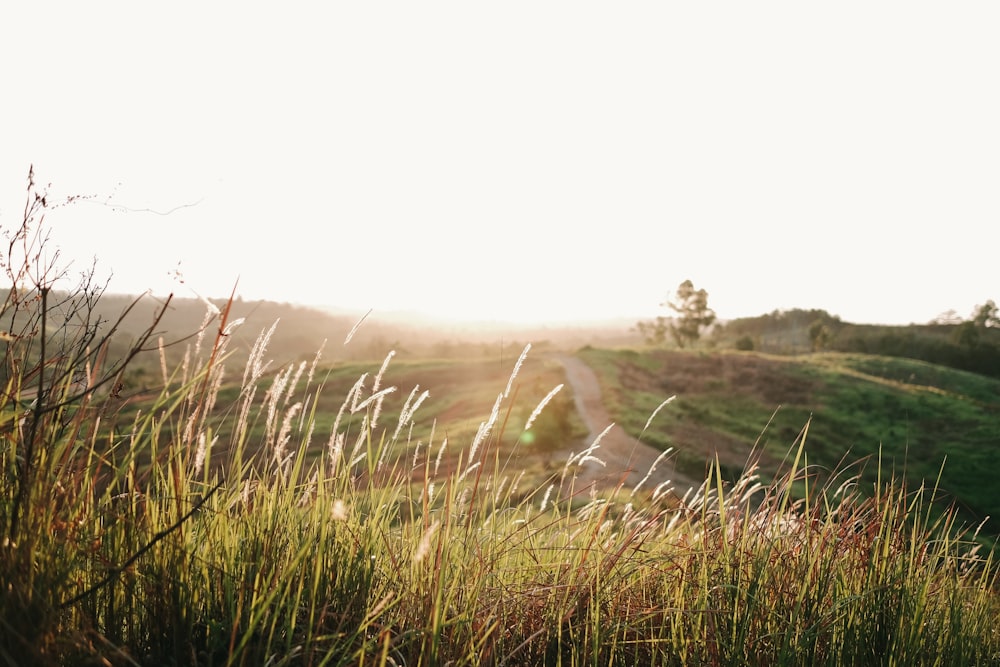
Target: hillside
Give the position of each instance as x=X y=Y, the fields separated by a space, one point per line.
x=912 y=416
x=861 y=410
x=301 y=331
x=971 y=345
x=348 y=526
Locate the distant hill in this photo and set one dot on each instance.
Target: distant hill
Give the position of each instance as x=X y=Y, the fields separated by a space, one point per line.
x=957 y=345
x=302 y=330
x=299 y=333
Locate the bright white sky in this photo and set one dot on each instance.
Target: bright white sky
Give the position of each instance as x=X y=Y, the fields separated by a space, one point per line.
x=518 y=160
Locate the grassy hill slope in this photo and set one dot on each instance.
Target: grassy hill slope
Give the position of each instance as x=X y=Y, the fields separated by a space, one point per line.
x=912 y=416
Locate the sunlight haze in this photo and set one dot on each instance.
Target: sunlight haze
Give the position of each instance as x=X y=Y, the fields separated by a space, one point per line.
x=517 y=161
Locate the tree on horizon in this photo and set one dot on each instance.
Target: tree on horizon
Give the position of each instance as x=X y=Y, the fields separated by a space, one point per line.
x=693 y=316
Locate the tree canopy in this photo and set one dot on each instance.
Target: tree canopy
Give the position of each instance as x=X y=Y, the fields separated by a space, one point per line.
x=692 y=316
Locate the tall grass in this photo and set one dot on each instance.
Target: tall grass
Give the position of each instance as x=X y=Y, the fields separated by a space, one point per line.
x=153 y=543
x=142 y=545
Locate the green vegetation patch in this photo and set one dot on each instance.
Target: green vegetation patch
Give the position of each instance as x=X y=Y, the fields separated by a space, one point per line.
x=912 y=416
x=915 y=426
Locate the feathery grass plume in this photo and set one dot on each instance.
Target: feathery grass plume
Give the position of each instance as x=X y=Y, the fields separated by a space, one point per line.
x=271 y=398
x=593 y=508
x=376 y=398
x=652 y=469
x=211 y=308
x=485 y=428
x=315 y=363
x=384 y=449
x=381 y=371
x=247 y=487
x=187 y=435
x=356 y=392
x=339 y=510
x=349 y=399
x=232 y=326
x=197 y=417
x=517 y=367
x=590 y=457
x=310 y=425
x=199 y=455
x=440 y=455
x=461 y=502
x=284 y=435
x=293 y=383
x=335 y=451
x=357 y=453
x=629 y=513
x=498 y=493
x=186 y=373
x=430 y=438
x=416 y=454
x=409 y=407
x=541 y=406
x=424 y=547
x=661 y=490
x=243 y=416
x=517 y=482
x=218 y=374
x=255 y=366
x=375 y=388
x=416 y=405
x=409 y=399
x=211 y=311
x=653 y=414
x=586 y=455
x=357 y=326
x=470 y=468
x=545 y=498
x=309 y=490
x=163 y=360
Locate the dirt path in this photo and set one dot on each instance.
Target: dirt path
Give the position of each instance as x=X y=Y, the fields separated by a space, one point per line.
x=625 y=457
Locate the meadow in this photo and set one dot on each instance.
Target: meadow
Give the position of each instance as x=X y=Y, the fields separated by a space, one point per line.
x=246 y=518
x=223 y=509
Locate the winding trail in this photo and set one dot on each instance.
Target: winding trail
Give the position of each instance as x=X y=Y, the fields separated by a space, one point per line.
x=627 y=460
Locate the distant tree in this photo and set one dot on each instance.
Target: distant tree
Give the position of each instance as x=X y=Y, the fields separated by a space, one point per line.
x=967 y=334
x=950 y=316
x=692 y=316
x=819 y=335
x=655 y=332
x=986 y=315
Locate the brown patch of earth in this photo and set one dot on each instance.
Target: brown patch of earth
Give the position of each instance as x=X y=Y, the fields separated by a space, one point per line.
x=766 y=381
x=686 y=373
